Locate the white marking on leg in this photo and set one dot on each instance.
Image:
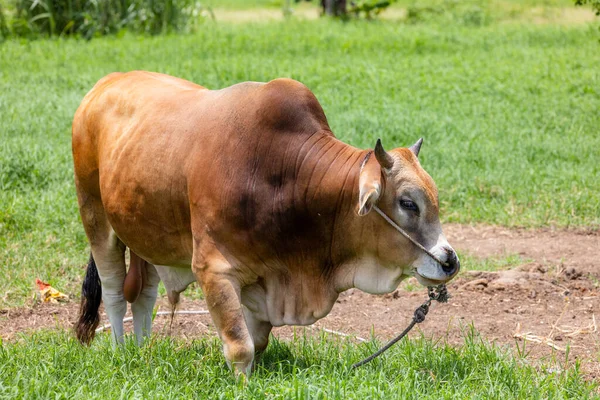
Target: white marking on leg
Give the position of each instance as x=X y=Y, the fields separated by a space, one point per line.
x=110 y=261
x=142 y=308
x=115 y=307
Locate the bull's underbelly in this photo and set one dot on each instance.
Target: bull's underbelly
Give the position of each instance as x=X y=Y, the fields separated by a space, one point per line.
x=291 y=303
x=284 y=306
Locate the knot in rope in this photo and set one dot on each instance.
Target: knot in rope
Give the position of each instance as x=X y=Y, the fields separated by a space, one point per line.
x=421 y=313
x=438 y=293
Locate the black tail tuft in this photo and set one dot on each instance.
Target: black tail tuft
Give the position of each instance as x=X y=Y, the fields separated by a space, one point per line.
x=91 y=296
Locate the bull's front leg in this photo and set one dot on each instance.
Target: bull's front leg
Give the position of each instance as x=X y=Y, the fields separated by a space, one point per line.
x=222 y=293
x=259 y=330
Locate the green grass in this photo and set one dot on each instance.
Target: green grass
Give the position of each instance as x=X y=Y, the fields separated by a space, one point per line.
x=50 y=365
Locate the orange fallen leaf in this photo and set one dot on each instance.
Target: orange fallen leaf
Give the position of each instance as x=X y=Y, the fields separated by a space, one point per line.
x=48 y=294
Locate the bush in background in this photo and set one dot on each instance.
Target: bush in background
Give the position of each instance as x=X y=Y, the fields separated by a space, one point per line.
x=90 y=18
x=594 y=3
x=368 y=8
x=4 y=32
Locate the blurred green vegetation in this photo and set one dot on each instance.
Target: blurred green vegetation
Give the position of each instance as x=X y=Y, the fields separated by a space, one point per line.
x=93 y=18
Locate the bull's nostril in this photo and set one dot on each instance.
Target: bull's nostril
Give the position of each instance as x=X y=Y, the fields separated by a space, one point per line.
x=452 y=263
x=449 y=267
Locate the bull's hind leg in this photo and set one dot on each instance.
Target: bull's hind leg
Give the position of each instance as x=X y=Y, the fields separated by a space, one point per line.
x=110 y=260
x=109 y=254
x=143 y=305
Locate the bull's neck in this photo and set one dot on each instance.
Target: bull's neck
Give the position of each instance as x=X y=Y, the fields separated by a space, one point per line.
x=327 y=185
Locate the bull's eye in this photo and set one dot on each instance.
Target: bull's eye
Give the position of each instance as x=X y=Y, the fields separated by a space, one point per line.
x=409 y=205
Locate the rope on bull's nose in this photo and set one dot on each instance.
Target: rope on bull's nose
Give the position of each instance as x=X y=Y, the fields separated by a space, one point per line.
x=406 y=235
x=438 y=293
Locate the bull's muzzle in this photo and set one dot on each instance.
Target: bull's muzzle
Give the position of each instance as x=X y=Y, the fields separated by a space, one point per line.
x=452 y=261
x=430 y=271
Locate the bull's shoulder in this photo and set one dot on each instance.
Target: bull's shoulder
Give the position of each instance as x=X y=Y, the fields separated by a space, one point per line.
x=286 y=104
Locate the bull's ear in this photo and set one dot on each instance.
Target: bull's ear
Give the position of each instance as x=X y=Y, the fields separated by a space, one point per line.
x=369 y=189
x=415 y=148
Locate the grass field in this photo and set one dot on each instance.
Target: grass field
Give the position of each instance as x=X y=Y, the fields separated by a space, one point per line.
x=509 y=113
x=47 y=365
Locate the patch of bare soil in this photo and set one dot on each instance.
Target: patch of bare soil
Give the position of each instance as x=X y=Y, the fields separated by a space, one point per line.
x=263 y=15
x=551 y=301
x=559 y=16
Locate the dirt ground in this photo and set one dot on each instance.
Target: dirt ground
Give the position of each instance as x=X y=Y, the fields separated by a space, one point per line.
x=550 y=300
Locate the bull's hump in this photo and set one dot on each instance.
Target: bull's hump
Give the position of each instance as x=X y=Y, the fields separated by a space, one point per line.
x=288 y=105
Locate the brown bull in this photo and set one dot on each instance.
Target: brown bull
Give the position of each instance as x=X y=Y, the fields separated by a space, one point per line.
x=247 y=191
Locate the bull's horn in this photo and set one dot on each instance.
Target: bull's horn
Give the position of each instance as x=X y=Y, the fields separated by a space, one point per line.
x=415 y=148
x=385 y=160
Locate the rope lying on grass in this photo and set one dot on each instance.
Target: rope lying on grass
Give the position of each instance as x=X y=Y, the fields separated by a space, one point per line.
x=333 y=332
x=128 y=319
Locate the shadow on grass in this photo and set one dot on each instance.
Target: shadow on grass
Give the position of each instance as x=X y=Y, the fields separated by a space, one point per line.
x=278 y=357
x=323 y=352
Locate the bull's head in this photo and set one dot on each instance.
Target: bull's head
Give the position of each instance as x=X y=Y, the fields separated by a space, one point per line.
x=396 y=183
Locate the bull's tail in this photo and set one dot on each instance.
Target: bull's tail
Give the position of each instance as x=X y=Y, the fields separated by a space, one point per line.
x=91 y=296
